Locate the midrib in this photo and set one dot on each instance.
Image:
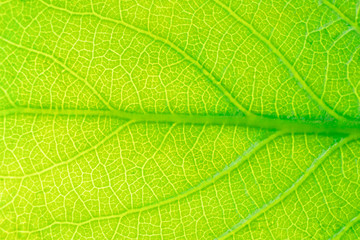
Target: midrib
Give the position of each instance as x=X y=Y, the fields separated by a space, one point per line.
x=287 y=125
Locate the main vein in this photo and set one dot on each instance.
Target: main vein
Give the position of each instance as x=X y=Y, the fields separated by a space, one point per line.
x=288 y=125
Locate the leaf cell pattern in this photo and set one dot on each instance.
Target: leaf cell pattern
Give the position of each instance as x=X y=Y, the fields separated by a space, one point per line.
x=213 y=119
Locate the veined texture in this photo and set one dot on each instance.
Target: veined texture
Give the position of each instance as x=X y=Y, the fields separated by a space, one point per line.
x=193 y=119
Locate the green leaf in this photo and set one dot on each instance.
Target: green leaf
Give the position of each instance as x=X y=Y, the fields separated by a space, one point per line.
x=180 y=119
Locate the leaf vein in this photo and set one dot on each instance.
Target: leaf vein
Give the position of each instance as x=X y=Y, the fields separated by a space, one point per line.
x=278 y=199
x=206 y=183
x=74 y=74
x=286 y=62
x=173 y=46
x=342 y=15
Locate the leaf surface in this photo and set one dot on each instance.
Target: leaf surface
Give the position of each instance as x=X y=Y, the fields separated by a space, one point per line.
x=179 y=119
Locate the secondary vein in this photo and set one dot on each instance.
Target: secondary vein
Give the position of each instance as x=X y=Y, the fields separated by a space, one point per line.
x=215 y=82
x=343 y=16
x=201 y=186
x=286 y=62
x=317 y=162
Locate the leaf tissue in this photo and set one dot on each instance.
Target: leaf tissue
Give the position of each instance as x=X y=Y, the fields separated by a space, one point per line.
x=196 y=119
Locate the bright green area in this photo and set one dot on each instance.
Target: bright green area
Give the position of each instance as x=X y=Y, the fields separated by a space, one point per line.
x=194 y=119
